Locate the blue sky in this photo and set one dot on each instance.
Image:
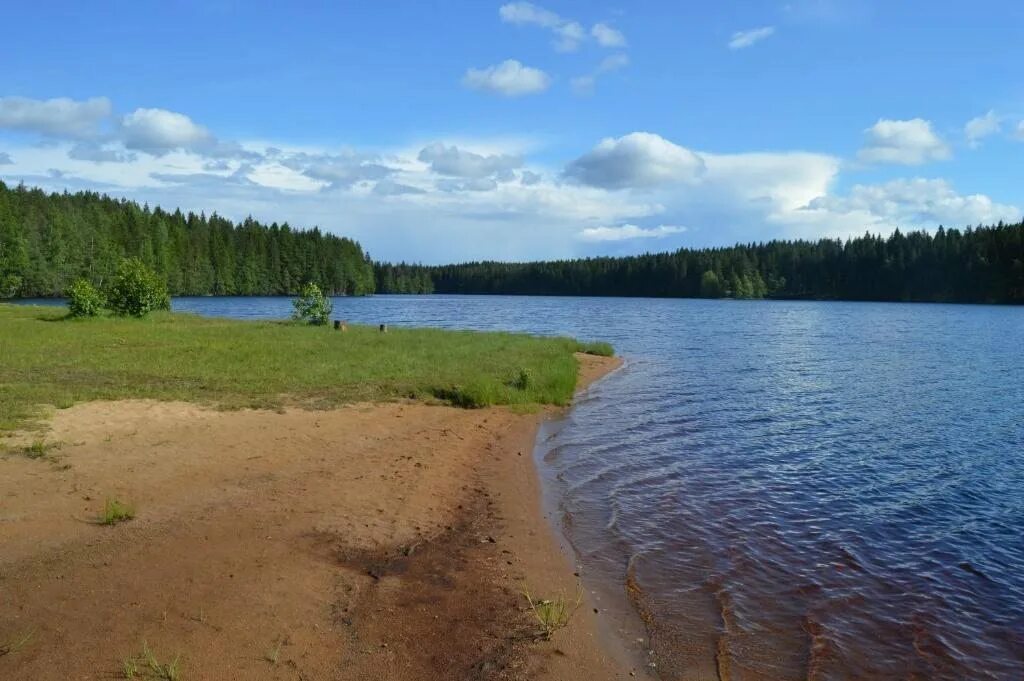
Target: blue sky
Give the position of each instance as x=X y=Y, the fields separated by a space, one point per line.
x=460 y=130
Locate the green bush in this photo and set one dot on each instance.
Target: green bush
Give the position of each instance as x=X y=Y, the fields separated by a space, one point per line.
x=312 y=305
x=84 y=300
x=137 y=290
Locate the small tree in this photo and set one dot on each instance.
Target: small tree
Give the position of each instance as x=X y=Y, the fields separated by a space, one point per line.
x=84 y=300
x=312 y=305
x=137 y=290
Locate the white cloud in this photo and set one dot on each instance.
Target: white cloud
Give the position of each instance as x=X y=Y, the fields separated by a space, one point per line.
x=5 y=159
x=91 y=151
x=909 y=142
x=158 y=131
x=584 y=85
x=509 y=78
x=744 y=39
x=606 y=36
x=915 y=202
x=569 y=34
x=629 y=231
x=60 y=117
x=639 y=159
x=480 y=198
x=980 y=127
x=392 y=188
x=341 y=170
x=451 y=160
x=526 y=13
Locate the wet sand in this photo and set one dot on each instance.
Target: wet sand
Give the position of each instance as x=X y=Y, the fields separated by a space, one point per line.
x=386 y=541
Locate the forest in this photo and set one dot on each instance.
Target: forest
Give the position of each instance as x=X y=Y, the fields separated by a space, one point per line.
x=976 y=265
x=47 y=241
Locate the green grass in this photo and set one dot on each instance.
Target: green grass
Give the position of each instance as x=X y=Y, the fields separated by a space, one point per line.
x=49 y=360
x=553 y=614
x=115 y=512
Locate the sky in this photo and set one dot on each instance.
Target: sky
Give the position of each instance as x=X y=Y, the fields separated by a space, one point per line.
x=450 y=131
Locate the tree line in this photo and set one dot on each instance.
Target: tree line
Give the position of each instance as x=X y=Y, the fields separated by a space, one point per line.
x=976 y=265
x=48 y=241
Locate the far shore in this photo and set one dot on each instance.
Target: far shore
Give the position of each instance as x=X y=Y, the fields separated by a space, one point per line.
x=369 y=541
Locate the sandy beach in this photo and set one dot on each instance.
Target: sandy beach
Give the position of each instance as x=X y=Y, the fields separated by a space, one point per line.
x=386 y=541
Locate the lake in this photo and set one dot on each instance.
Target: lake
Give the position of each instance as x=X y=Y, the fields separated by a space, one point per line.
x=791 y=490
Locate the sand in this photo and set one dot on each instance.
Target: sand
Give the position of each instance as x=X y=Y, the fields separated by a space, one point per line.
x=388 y=541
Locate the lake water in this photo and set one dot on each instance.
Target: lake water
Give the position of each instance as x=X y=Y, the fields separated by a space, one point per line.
x=791 y=490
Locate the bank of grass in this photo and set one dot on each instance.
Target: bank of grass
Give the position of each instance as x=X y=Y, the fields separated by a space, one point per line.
x=47 y=359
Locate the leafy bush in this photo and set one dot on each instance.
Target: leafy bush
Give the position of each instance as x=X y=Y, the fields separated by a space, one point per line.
x=312 y=305
x=84 y=300
x=137 y=290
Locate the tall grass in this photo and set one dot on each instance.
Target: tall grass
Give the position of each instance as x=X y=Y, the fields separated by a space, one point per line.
x=47 y=359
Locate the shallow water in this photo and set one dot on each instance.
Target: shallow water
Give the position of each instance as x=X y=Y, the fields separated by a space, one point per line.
x=795 y=490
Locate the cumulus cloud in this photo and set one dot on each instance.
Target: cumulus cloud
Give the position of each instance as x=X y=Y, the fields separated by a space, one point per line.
x=981 y=127
x=337 y=171
x=451 y=160
x=392 y=188
x=529 y=178
x=473 y=184
x=98 y=153
x=606 y=36
x=509 y=78
x=744 y=39
x=584 y=85
x=5 y=159
x=60 y=117
x=639 y=159
x=158 y=131
x=909 y=142
x=916 y=202
x=569 y=34
x=629 y=231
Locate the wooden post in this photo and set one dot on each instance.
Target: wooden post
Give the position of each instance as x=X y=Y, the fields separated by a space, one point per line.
x=383 y=328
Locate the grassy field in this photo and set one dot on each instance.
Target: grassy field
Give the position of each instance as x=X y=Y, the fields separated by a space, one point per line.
x=49 y=360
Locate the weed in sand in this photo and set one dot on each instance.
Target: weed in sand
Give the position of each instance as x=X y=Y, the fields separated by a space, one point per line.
x=39 y=449
x=273 y=654
x=554 y=614
x=165 y=672
x=129 y=668
x=16 y=644
x=115 y=512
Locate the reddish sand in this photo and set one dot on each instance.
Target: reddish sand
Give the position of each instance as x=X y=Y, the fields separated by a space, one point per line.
x=386 y=541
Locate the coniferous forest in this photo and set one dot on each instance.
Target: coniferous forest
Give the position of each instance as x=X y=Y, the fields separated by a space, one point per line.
x=976 y=265
x=47 y=241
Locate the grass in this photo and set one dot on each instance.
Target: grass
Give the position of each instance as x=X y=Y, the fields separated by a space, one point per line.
x=274 y=654
x=554 y=614
x=50 y=360
x=153 y=668
x=115 y=512
x=39 y=449
x=16 y=645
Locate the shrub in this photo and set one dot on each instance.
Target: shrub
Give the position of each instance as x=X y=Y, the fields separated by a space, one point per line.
x=137 y=290
x=312 y=305
x=115 y=512
x=84 y=300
